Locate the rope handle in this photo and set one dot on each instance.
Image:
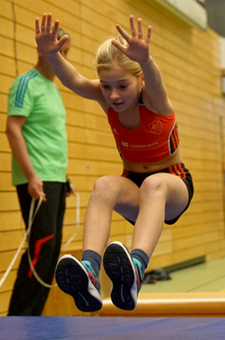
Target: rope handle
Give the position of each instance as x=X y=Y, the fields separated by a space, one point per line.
x=32 y=215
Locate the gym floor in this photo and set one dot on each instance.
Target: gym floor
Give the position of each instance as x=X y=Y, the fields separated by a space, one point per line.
x=206 y=277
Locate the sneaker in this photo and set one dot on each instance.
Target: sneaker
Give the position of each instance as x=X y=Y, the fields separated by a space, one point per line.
x=79 y=280
x=124 y=275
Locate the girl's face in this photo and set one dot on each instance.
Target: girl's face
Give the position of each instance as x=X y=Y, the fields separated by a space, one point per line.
x=120 y=88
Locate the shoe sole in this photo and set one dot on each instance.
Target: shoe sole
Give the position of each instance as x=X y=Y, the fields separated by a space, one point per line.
x=119 y=267
x=73 y=280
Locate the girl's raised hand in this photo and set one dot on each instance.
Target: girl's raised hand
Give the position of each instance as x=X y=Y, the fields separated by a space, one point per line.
x=46 y=35
x=138 y=45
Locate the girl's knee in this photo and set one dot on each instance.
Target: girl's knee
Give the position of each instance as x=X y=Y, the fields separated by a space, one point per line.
x=152 y=185
x=104 y=187
x=101 y=184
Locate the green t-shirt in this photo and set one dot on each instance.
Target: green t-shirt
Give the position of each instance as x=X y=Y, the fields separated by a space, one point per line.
x=39 y=100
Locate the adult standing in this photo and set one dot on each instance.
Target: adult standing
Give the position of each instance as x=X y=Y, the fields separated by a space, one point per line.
x=37 y=136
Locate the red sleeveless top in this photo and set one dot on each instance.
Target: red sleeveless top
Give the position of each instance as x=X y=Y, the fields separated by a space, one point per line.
x=155 y=139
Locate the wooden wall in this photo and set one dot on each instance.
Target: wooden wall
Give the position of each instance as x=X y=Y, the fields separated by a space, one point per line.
x=190 y=63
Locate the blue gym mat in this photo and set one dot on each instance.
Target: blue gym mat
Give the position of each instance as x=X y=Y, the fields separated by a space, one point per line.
x=111 y=328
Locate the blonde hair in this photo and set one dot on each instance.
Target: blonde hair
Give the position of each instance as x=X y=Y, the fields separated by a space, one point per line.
x=107 y=54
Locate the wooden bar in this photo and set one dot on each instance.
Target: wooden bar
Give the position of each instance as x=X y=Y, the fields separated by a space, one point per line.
x=171 y=305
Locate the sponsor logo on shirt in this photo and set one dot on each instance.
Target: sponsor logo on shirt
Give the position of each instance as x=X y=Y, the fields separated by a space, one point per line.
x=155 y=127
x=139 y=146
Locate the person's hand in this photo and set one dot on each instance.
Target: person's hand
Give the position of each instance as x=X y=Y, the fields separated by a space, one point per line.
x=46 y=35
x=138 y=45
x=35 y=188
x=71 y=190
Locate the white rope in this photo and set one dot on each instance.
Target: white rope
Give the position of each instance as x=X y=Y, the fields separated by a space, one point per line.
x=19 y=249
x=32 y=215
x=13 y=260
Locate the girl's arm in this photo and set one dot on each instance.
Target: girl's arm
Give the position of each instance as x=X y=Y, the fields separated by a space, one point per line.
x=48 y=45
x=154 y=91
x=70 y=78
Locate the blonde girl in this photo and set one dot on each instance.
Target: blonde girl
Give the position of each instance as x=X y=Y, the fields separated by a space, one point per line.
x=155 y=187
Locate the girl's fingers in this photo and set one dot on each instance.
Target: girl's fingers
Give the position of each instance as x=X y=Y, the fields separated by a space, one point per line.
x=55 y=28
x=46 y=25
x=49 y=23
x=132 y=27
x=43 y=22
x=140 y=31
x=124 y=34
x=37 y=28
x=62 y=41
x=118 y=45
x=148 y=36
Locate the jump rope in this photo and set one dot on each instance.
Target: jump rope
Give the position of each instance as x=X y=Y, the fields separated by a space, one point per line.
x=32 y=215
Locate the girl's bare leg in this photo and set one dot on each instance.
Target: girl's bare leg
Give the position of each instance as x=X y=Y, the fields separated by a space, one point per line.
x=162 y=196
x=108 y=192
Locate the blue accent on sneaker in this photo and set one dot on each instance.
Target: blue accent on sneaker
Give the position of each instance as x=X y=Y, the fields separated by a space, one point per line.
x=119 y=267
x=142 y=257
x=139 y=273
x=92 y=275
x=93 y=258
x=80 y=281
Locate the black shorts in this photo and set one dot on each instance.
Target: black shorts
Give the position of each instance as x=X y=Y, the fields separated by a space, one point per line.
x=177 y=170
